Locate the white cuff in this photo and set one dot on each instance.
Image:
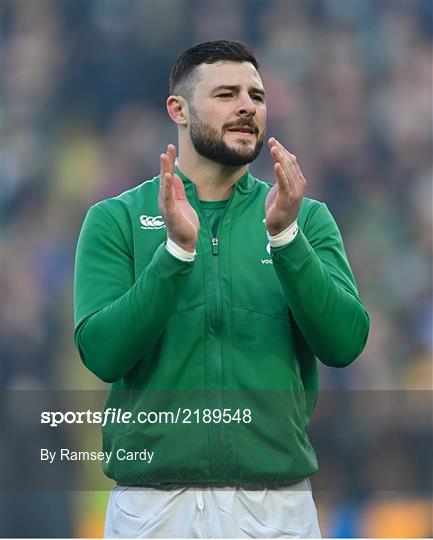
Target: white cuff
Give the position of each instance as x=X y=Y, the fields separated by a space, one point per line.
x=284 y=237
x=179 y=252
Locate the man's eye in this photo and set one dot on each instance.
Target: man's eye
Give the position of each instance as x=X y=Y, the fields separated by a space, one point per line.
x=258 y=97
x=225 y=95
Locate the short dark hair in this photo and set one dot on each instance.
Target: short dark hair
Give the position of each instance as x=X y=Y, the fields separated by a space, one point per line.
x=207 y=52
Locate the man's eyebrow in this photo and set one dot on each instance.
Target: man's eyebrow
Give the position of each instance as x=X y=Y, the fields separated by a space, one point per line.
x=236 y=88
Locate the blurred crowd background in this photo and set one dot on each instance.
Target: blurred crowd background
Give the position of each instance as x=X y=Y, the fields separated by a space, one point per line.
x=349 y=91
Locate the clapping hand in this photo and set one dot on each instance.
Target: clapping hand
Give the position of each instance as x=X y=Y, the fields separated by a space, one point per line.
x=284 y=199
x=180 y=218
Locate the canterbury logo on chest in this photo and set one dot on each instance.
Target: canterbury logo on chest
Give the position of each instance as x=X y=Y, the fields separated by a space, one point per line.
x=152 y=222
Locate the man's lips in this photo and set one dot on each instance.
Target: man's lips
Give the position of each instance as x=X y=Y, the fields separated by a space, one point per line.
x=243 y=129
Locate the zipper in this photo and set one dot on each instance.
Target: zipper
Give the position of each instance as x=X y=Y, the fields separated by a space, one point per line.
x=219 y=356
x=218 y=323
x=215 y=245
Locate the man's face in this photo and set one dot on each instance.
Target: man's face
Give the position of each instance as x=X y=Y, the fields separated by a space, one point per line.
x=228 y=113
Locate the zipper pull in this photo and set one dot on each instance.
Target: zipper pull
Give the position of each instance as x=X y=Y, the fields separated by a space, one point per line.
x=215 y=246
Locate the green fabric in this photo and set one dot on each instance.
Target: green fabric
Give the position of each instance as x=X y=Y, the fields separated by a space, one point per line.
x=238 y=328
x=213 y=210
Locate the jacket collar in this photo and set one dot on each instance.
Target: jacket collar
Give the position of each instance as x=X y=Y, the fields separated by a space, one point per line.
x=244 y=185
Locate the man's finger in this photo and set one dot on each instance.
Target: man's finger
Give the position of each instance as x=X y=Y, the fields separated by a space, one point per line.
x=167 y=191
x=272 y=141
x=291 y=172
x=283 y=182
x=291 y=159
x=179 y=189
x=276 y=154
x=286 y=166
x=295 y=175
x=298 y=170
x=284 y=150
x=171 y=154
x=280 y=155
x=163 y=160
x=289 y=164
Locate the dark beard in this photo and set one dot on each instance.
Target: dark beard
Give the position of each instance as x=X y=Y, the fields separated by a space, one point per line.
x=210 y=145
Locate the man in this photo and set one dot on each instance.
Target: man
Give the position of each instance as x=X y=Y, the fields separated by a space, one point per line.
x=206 y=294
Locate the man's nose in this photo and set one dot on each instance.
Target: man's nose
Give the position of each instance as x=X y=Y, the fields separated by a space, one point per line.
x=246 y=106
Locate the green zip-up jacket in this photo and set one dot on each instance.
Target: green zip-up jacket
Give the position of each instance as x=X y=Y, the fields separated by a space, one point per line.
x=236 y=330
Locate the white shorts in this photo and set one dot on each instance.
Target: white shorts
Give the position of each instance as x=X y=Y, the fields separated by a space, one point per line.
x=192 y=512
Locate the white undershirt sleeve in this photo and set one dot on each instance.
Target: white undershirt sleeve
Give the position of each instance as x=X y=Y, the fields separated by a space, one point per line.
x=179 y=252
x=284 y=237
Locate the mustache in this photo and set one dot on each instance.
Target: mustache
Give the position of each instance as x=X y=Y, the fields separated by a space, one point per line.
x=243 y=123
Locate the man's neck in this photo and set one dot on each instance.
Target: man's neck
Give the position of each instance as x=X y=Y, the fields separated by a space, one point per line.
x=213 y=181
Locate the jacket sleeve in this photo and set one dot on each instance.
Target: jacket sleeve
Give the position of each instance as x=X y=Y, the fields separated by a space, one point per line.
x=118 y=318
x=321 y=291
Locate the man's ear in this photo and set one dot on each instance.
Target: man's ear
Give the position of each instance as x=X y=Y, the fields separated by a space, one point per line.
x=177 y=109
